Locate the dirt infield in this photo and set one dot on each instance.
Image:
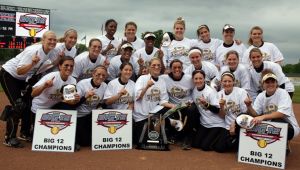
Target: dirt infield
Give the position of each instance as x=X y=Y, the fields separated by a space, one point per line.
x=24 y=158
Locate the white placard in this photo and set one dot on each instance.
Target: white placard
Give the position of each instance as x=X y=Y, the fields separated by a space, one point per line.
x=264 y=144
x=54 y=130
x=31 y=25
x=111 y=129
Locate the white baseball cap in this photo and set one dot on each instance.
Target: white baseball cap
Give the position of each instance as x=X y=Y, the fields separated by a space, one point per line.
x=268 y=76
x=127 y=45
x=149 y=35
x=228 y=27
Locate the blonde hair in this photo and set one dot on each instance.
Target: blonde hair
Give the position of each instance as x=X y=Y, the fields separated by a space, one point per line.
x=67 y=33
x=180 y=21
x=153 y=59
x=250 y=41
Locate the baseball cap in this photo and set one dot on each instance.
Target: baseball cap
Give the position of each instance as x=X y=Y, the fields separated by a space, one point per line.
x=244 y=121
x=127 y=45
x=149 y=35
x=268 y=76
x=228 y=27
x=69 y=91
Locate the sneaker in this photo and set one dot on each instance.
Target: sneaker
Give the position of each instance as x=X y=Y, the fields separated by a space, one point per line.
x=186 y=144
x=171 y=141
x=186 y=147
x=26 y=138
x=13 y=142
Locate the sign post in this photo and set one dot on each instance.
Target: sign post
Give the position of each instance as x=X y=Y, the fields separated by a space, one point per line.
x=264 y=144
x=111 y=129
x=54 y=130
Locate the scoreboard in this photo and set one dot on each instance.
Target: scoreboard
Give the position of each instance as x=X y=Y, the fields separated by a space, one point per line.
x=22 y=26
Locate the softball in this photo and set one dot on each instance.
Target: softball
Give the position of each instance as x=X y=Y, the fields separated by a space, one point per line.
x=112 y=129
x=262 y=143
x=32 y=32
x=54 y=130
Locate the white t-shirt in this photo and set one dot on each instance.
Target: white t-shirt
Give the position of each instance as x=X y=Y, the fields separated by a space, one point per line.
x=114 y=88
x=234 y=104
x=280 y=101
x=269 y=50
x=277 y=70
x=62 y=47
x=211 y=71
x=155 y=95
x=208 y=119
x=25 y=58
x=84 y=67
x=142 y=53
x=115 y=42
x=52 y=95
x=179 y=91
x=177 y=50
x=137 y=44
x=114 y=67
x=241 y=74
x=92 y=102
x=208 y=49
x=222 y=50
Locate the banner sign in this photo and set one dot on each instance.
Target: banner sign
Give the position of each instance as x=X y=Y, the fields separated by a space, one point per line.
x=54 y=130
x=111 y=129
x=264 y=144
x=22 y=26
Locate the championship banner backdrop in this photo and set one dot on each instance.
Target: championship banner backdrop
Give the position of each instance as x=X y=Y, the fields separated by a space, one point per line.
x=22 y=26
x=264 y=144
x=111 y=129
x=31 y=25
x=54 y=130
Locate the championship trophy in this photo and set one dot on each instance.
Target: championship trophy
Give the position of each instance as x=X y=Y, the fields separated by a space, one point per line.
x=153 y=136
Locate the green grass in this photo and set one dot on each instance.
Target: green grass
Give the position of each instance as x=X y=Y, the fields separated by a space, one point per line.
x=296 y=97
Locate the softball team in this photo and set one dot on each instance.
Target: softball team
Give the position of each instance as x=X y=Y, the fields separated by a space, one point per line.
x=206 y=73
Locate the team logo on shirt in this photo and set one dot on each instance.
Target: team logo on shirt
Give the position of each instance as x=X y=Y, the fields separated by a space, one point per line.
x=93 y=100
x=208 y=55
x=271 y=108
x=264 y=134
x=56 y=121
x=179 y=51
x=266 y=56
x=237 y=83
x=178 y=92
x=87 y=74
x=232 y=107
x=34 y=23
x=154 y=95
x=112 y=52
x=112 y=120
x=125 y=99
x=57 y=95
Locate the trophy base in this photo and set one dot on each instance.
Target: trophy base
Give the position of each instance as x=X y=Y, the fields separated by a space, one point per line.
x=153 y=146
x=153 y=135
